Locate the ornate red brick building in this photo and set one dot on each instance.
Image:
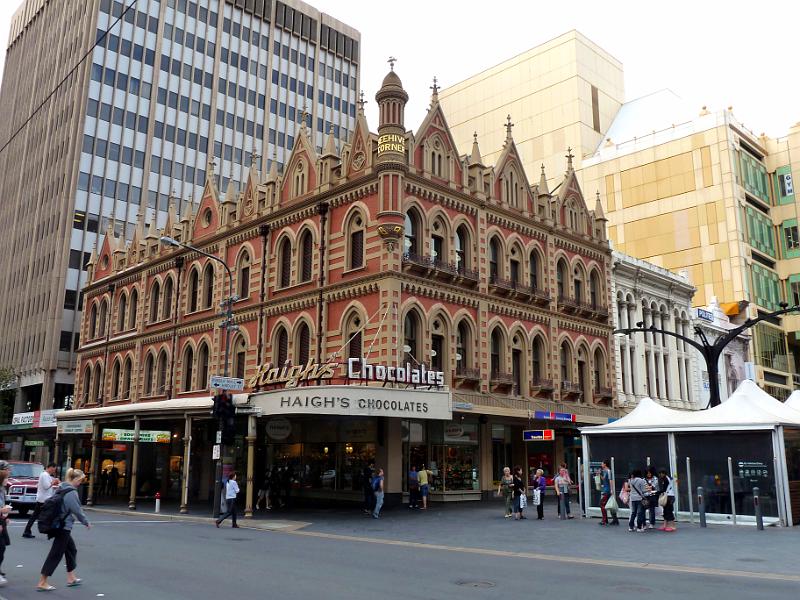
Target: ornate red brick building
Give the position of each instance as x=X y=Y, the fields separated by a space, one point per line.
x=393 y=248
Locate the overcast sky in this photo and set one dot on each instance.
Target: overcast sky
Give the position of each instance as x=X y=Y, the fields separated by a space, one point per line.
x=740 y=54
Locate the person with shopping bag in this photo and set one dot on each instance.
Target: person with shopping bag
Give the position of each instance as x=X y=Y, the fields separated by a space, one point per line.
x=606 y=495
x=520 y=494
x=540 y=483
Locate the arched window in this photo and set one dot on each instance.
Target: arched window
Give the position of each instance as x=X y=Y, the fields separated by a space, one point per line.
x=115 y=380
x=134 y=308
x=594 y=289
x=239 y=358
x=411 y=337
x=355 y=241
x=122 y=311
x=169 y=292
x=97 y=384
x=126 y=378
x=303 y=344
x=208 y=285
x=306 y=262
x=494 y=259
x=412 y=231
x=565 y=360
x=353 y=336
x=193 y=290
x=285 y=263
x=161 y=373
x=517 y=364
x=578 y=283
x=281 y=346
x=202 y=366
x=188 y=368
x=87 y=384
x=599 y=373
x=538 y=360
x=101 y=325
x=583 y=373
x=299 y=184
x=438 y=246
x=148 y=375
x=561 y=278
x=436 y=163
x=535 y=273
x=511 y=188
x=93 y=322
x=496 y=351
x=462 y=248
x=463 y=346
x=514 y=266
x=155 y=299
x=243 y=275
x=439 y=346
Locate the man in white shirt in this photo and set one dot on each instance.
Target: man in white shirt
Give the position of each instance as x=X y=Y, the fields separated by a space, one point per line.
x=231 y=491
x=44 y=489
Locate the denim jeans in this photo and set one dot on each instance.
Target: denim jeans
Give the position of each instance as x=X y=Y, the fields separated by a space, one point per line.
x=637 y=515
x=378 y=504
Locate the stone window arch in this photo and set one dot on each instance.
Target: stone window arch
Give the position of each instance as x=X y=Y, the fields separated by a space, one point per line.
x=243 y=274
x=355 y=232
x=208 y=285
x=155 y=300
x=284 y=262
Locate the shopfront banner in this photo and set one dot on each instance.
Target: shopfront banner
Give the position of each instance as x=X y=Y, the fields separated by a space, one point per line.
x=145 y=436
x=36 y=419
x=356 y=401
x=81 y=427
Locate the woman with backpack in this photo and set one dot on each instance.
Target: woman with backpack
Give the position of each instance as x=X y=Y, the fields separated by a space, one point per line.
x=61 y=532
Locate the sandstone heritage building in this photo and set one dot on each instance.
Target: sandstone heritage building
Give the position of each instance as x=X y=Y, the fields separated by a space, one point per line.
x=430 y=267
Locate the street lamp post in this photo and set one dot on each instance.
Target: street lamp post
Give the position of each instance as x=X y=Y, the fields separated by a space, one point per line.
x=711 y=353
x=227 y=325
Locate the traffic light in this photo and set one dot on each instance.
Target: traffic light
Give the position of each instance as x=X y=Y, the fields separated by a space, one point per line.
x=226 y=413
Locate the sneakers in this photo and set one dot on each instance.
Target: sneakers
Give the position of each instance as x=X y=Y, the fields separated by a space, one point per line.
x=602 y=523
x=631 y=530
x=3 y=580
x=614 y=522
x=640 y=531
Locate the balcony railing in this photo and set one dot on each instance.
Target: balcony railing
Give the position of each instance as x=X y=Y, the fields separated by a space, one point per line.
x=499 y=378
x=539 y=383
x=444 y=266
x=469 y=373
x=501 y=283
x=540 y=295
x=467 y=273
x=419 y=260
x=568 y=303
x=570 y=388
x=603 y=392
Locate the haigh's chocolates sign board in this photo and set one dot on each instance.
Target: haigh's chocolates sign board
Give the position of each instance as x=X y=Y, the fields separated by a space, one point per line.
x=354 y=370
x=356 y=401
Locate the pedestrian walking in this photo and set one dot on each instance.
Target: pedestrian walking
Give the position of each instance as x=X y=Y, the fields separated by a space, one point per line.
x=413 y=487
x=519 y=491
x=605 y=494
x=263 y=492
x=366 y=484
x=113 y=481
x=635 y=487
x=275 y=487
x=44 y=489
x=102 y=487
x=651 y=495
x=666 y=499
x=541 y=486
x=506 y=490
x=61 y=533
x=231 y=491
x=562 y=484
x=424 y=475
x=5 y=509
x=377 y=486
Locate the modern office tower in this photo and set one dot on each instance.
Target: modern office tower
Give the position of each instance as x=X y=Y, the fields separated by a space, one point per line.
x=562 y=93
x=688 y=189
x=173 y=85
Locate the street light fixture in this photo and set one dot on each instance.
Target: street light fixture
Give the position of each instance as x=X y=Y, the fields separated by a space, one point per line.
x=711 y=353
x=227 y=325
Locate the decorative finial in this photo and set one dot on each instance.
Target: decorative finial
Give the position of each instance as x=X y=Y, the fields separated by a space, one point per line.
x=435 y=86
x=303 y=116
x=255 y=156
x=212 y=165
x=509 y=125
x=570 y=156
x=391 y=62
x=474 y=137
x=361 y=102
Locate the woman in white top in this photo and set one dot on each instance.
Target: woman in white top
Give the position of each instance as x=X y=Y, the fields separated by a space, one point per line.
x=231 y=491
x=666 y=486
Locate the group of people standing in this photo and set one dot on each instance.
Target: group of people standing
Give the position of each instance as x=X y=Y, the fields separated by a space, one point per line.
x=373 y=480
x=643 y=494
x=52 y=495
x=276 y=488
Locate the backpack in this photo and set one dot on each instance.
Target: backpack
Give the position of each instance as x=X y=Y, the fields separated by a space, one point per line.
x=52 y=515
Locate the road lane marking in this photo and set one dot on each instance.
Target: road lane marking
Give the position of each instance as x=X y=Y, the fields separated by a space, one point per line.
x=553 y=558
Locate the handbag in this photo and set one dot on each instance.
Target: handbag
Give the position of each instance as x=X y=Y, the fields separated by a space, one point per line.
x=523 y=500
x=624 y=496
x=537 y=497
x=597 y=482
x=662 y=499
x=645 y=499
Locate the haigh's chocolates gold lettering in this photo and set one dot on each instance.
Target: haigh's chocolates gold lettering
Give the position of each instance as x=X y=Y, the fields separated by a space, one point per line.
x=360 y=369
x=292 y=375
x=391 y=142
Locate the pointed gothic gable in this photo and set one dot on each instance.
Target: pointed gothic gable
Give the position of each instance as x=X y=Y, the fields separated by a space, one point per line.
x=361 y=149
x=105 y=263
x=572 y=205
x=300 y=173
x=510 y=158
x=434 y=127
x=248 y=200
x=570 y=190
x=207 y=219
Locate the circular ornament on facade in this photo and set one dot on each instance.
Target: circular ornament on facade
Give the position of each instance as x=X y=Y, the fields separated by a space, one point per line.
x=206 y=218
x=104 y=262
x=248 y=206
x=279 y=428
x=358 y=161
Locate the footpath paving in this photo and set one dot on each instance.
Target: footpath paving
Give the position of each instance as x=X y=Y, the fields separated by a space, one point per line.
x=481 y=527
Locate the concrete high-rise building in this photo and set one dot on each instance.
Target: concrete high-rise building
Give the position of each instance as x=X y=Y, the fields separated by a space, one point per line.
x=128 y=136
x=688 y=189
x=562 y=93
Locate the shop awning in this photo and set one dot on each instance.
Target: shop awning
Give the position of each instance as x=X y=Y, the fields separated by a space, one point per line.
x=167 y=407
x=793 y=401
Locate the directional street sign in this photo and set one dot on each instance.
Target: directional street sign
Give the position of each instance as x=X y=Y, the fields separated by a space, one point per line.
x=227 y=383
x=248 y=410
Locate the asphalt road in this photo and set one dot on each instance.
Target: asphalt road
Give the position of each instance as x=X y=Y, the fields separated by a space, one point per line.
x=135 y=558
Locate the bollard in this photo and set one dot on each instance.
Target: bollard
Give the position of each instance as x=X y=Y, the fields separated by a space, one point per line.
x=689 y=488
x=757 y=506
x=701 y=506
x=158 y=502
x=562 y=507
